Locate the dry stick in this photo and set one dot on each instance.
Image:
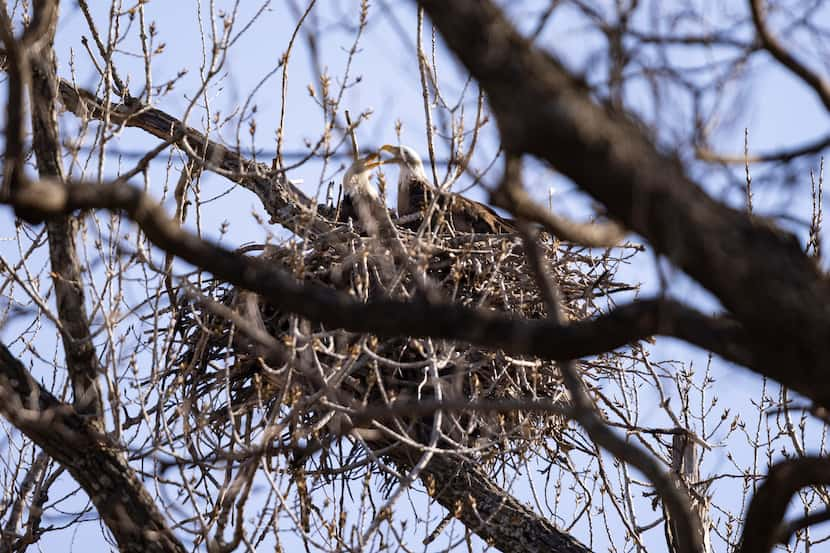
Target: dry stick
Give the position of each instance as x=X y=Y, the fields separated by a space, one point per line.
x=423 y=69
x=189 y=173
x=33 y=474
x=817 y=196
x=423 y=408
x=119 y=84
x=284 y=202
x=351 y=129
x=271 y=345
x=748 y=173
x=277 y=163
x=39 y=497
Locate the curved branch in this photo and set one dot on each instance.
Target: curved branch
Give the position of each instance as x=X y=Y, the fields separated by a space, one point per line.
x=774 y=46
x=512 y=196
x=806 y=521
x=766 y=512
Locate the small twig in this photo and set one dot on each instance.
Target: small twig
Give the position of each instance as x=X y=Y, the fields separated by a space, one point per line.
x=424 y=69
x=440 y=528
x=351 y=129
x=748 y=174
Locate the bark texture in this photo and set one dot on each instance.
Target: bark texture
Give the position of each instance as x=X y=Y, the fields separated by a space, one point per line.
x=485 y=508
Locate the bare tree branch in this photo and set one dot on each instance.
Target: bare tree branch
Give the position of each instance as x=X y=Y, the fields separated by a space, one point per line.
x=786 y=533
x=283 y=201
x=485 y=508
x=366 y=358
x=17 y=66
x=782 y=155
x=584 y=409
x=10 y=529
x=511 y=195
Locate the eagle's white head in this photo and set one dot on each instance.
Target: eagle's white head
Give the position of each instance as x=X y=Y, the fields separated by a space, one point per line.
x=408 y=160
x=356 y=178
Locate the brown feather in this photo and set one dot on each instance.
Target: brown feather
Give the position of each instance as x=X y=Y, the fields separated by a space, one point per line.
x=348 y=210
x=462 y=214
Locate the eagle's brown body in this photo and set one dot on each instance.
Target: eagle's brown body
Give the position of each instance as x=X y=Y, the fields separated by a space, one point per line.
x=459 y=214
x=348 y=210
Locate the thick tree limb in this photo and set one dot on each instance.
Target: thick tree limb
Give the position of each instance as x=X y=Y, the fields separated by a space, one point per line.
x=81 y=359
x=389 y=318
x=94 y=461
x=15 y=64
x=485 y=508
x=512 y=196
x=757 y=271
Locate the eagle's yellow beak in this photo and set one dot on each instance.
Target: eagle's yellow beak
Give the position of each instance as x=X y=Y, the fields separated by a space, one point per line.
x=394 y=150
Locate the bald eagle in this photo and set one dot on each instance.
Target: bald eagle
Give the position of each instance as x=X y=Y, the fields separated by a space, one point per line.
x=415 y=194
x=360 y=199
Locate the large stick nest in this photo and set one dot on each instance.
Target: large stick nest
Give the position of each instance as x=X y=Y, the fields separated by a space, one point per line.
x=313 y=389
